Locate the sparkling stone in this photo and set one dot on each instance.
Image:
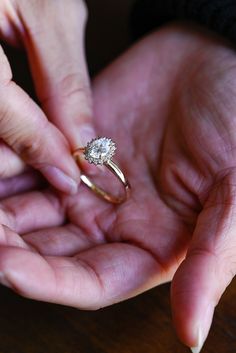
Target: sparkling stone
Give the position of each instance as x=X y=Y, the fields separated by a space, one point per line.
x=100 y=150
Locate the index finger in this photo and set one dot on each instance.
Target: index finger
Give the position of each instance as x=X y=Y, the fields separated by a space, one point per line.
x=54 y=42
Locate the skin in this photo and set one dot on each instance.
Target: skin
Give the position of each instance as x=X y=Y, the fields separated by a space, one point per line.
x=169 y=104
x=54 y=44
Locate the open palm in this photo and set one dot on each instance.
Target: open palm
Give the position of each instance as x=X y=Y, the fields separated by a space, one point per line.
x=167 y=103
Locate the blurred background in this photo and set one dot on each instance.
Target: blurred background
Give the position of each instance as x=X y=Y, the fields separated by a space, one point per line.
x=108 y=31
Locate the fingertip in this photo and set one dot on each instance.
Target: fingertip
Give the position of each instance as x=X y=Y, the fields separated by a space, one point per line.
x=192 y=307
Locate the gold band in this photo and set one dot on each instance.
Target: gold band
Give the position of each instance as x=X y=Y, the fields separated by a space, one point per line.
x=98 y=190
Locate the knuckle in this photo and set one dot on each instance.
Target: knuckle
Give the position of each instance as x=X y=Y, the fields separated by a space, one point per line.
x=30 y=149
x=74 y=84
x=71 y=87
x=28 y=145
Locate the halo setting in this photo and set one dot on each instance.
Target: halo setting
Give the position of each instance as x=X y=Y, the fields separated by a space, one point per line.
x=100 y=150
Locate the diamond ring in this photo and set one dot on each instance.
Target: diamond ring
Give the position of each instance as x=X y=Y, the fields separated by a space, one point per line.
x=100 y=151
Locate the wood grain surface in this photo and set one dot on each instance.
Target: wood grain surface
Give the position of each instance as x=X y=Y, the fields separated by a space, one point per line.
x=139 y=325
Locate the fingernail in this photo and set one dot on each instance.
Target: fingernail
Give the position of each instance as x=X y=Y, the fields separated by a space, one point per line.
x=203 y=328
x=200 y=342
x=4 y=281
x=86 y=134
x=60 y=180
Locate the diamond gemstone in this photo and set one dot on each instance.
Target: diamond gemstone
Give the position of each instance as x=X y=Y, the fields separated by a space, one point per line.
x=100 y=150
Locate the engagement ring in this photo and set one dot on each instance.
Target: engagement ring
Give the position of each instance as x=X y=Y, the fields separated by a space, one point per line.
x=100 y=151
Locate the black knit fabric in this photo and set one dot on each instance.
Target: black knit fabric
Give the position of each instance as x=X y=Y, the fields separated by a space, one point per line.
x=218 y=15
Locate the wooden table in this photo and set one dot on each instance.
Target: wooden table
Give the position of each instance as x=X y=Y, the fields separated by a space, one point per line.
x=139 y=325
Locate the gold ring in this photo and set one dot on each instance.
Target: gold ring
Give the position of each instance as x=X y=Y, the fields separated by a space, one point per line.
x=100 y=151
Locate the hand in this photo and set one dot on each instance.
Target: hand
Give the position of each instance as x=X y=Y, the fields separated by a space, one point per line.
x=54 y=44
x=169 y=105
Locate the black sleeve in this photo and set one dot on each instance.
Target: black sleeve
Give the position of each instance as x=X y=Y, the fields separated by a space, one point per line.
x=217 y=15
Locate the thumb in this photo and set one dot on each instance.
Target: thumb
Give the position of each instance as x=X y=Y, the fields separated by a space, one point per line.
x=209 y=265
x=25 y=128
